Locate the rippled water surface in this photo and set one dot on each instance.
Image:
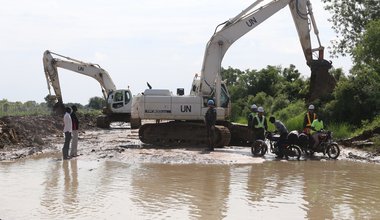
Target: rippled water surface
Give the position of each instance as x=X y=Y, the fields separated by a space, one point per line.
x=46 y=188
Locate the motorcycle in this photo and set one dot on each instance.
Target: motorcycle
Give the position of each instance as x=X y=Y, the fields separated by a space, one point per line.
x=326 y=145
x=290 y=150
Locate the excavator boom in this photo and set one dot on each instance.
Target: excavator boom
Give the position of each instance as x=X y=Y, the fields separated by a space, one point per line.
x=241 y=24
x=92 y=70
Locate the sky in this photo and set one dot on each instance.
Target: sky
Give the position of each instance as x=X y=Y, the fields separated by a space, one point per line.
x=157 y=41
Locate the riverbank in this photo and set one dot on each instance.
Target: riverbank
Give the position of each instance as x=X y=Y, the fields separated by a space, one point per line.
x=27 y=136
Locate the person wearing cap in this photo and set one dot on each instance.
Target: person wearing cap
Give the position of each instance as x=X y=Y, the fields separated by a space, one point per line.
x=310 y=116
x=67 y=129
x=74 y=141
x=283 y=131
x=260 y=124
x=210 y=121
x=252 y=115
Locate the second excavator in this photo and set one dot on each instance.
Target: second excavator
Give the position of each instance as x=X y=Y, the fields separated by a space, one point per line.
x=118 y=101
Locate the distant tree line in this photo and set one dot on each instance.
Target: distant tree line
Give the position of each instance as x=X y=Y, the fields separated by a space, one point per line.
x=17 y=108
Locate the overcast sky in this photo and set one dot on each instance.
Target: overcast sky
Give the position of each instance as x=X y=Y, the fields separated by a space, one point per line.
x=159 y=41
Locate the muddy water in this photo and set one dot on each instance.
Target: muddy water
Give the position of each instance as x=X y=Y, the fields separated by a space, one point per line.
x=47 y=188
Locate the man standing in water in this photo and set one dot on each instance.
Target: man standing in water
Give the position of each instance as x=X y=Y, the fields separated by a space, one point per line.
x=210 y=120
x=67 y=129
x=75 y=122
x=260 y=124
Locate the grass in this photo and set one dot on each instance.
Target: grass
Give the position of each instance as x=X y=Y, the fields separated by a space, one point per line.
x=367 y=126
x=242 y=120
x=294 y=123
x=340 y=130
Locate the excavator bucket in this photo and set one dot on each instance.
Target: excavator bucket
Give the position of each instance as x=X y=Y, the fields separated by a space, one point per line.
x=58 y=108
x=322 y=83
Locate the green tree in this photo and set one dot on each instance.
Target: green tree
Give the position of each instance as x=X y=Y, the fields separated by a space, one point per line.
x=356 y=99
x=264 y=80
x=367 y=51
x=231 y=75
x=96 y=103
x=349 y=20
x=292 y=85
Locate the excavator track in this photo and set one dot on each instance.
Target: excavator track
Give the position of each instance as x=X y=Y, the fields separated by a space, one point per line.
x=178 y=133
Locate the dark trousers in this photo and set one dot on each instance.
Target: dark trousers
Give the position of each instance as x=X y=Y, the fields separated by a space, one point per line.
x=281 y=142
x=66 y=145
x=211 y=136
x=259 y=134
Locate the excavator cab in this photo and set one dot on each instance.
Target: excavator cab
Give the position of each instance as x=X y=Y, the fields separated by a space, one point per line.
x=120 y=100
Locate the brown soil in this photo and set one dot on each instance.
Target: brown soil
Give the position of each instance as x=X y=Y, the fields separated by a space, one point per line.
x=18 y=132
x=22 y=136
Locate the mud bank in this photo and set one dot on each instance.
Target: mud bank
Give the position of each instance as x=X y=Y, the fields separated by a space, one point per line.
x=121 y=144
x=42 y=134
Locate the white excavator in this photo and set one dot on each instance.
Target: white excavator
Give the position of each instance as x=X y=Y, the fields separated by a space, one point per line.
x=118 y=101
x=182 y=116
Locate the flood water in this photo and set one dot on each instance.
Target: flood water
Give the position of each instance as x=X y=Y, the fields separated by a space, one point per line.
x=47 y=188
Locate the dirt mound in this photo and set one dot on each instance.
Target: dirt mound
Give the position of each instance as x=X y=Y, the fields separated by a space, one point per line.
x=28 y=131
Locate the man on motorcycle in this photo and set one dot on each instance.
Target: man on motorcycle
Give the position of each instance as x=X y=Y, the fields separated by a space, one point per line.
x=316 y=128
x=310 y=116
x=283 y=131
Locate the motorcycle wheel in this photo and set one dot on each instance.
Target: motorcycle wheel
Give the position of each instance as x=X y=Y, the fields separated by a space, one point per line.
x=293 y=152
x=333 y=151
x=308 y=151
x=259 y=148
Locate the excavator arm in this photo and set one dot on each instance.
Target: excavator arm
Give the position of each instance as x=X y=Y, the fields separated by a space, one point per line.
x=247 y=20
x=92 y=70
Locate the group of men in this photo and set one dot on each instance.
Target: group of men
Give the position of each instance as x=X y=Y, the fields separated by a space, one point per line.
x=70 y=129
x=312 y=125
x=258 y=123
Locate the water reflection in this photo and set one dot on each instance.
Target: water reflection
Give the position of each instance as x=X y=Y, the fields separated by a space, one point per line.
x=165 y=191
x=79 y=189
x=60 y=195
x=342 y=190
x=272 y=192
x=71 y=183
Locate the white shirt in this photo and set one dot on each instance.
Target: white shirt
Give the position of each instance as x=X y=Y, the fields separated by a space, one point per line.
x=68 y=124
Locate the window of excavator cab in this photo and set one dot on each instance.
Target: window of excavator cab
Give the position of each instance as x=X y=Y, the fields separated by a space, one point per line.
x=127 y=96
x=224 y=98
x=118 y=97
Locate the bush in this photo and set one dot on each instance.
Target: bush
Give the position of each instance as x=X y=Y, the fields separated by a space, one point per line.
x=295 y=123
x=340 y=130
x=367 y=126
x=292 y=110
